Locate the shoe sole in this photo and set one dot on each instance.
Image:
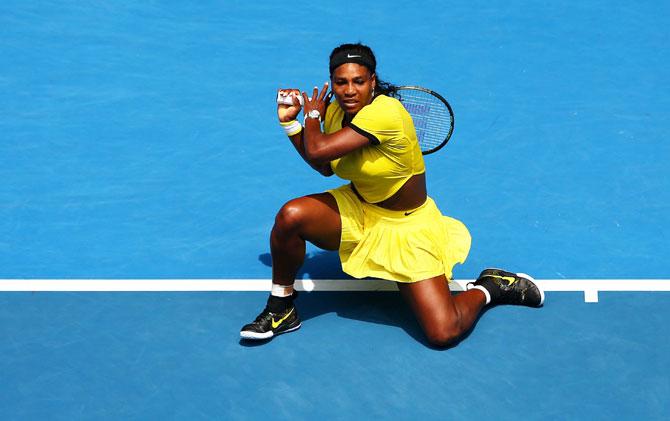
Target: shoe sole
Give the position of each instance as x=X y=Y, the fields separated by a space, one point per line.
x=256 y=336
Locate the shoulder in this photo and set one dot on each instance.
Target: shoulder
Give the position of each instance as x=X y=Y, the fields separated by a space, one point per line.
x=385 y=103
x=381 y=119
x=383 y=109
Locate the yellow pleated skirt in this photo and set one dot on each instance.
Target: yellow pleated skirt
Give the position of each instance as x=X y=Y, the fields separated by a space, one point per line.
x=402 y=246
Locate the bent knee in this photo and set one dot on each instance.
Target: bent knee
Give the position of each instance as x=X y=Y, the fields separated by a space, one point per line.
x=443 y=334
x=290 y=216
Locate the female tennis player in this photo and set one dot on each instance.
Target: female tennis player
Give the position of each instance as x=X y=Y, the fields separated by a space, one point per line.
x=383 y=223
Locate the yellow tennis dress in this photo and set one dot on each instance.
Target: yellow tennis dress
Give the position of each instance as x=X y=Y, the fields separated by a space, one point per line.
x=404 y=246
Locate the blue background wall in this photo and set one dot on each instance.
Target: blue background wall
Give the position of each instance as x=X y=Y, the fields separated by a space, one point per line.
x=140 y=140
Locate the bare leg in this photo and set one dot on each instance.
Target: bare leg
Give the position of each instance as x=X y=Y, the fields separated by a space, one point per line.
x=313 y=218
x=443 y=317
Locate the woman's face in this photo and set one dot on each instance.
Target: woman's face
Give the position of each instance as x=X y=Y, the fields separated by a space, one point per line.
x=353 y=85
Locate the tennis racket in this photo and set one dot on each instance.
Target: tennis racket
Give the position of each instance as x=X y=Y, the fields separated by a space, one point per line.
x=432 y=115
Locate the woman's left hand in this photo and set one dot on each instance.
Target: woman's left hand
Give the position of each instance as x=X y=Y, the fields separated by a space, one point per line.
x=316 y=102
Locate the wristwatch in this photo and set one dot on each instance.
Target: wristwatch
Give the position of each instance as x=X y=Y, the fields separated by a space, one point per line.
x=313 y=114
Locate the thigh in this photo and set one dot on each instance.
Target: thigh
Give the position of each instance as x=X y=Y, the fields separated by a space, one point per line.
x=431 y=301
x=317 y=218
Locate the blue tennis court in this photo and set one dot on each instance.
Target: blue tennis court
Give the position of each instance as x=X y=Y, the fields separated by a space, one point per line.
x=140 y=151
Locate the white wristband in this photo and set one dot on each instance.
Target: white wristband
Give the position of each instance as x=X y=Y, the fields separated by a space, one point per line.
x=291 y=127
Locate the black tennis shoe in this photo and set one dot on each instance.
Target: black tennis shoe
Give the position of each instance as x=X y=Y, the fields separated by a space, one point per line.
x=269 y=324
x=510 y=288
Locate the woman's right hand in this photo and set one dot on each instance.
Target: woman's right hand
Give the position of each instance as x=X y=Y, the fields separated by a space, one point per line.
x=289 y=112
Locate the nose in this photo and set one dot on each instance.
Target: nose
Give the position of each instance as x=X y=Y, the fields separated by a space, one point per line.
x=350 y=90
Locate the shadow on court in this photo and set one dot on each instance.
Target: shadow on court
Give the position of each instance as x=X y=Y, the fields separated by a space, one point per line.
x=383 y=307
x=318 y=265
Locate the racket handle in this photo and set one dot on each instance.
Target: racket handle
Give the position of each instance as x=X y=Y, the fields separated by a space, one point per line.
x=288 y=99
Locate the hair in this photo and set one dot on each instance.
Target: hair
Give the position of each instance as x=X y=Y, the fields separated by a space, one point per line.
x=365 y=57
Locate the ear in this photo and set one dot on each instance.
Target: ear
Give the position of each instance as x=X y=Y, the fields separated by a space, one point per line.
x=374 y=80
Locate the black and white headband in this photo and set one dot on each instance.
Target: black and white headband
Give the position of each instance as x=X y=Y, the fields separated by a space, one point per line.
x=352 y=57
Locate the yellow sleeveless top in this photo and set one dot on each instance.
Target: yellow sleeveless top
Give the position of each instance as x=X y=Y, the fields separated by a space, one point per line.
x=379 y=169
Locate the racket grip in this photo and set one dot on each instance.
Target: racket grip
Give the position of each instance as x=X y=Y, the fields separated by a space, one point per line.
x=288 y=99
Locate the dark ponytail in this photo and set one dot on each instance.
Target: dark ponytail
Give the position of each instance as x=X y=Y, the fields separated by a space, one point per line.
x=385 y=88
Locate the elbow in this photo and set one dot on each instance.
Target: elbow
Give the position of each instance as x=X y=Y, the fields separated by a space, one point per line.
x=319 y=161
x=325 y=170
x=318 y=149
x=317 y=156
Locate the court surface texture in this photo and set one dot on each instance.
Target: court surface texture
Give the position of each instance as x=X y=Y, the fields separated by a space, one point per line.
x=141 y=166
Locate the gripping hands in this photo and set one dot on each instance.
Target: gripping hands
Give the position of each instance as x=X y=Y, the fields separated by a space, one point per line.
x=289 y=104
x=291 y=101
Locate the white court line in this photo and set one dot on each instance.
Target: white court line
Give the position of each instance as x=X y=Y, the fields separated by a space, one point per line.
x=590 y=287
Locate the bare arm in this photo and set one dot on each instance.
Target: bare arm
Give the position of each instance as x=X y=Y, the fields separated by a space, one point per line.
x=320 y=148
x=288 y=113
x=322 y=167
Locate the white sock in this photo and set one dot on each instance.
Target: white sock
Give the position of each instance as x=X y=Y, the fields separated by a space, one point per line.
x=481 y=288
x=281 y=290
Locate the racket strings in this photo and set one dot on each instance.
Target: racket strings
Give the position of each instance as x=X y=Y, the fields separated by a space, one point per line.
x=432 y=119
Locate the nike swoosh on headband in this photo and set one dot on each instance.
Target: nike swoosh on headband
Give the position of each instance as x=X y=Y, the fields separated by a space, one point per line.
x=352 y=56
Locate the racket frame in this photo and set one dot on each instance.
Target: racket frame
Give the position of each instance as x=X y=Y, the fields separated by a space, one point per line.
x=441 y=98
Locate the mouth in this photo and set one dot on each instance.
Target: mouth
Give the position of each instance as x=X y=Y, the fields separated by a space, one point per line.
x=350 y=103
